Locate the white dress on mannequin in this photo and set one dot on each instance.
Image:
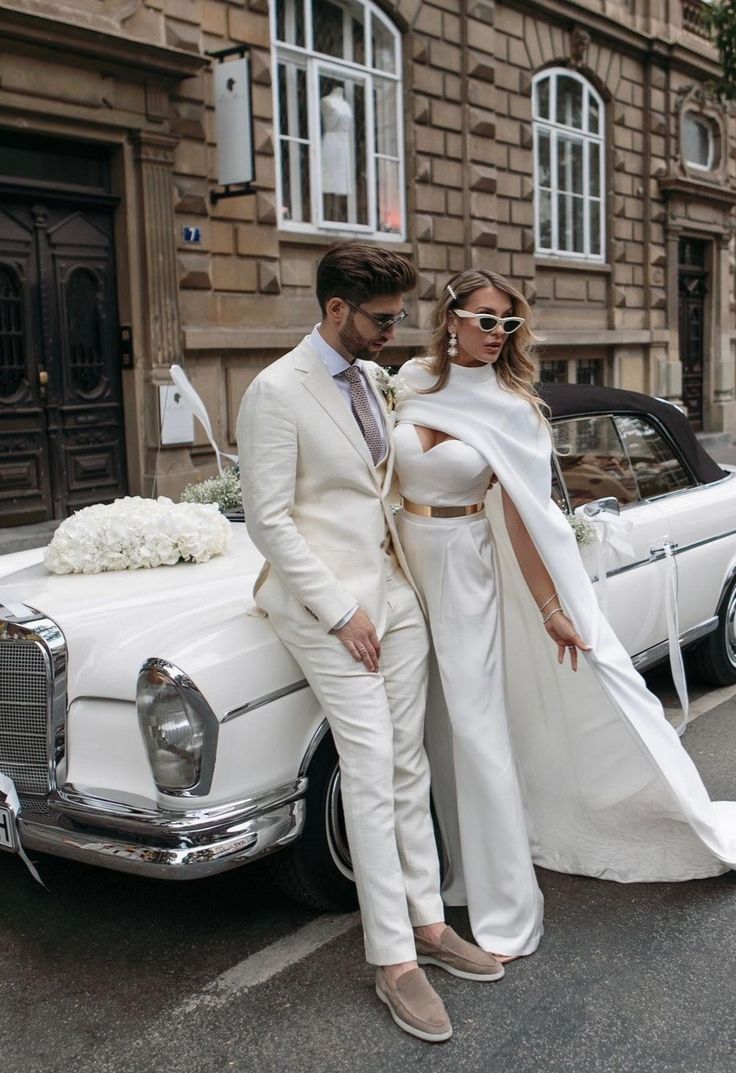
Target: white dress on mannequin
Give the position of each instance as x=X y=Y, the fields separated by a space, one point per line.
x=337 y=128
x=607 y=787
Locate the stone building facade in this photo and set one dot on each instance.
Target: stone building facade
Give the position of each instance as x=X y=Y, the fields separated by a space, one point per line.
x=573 y=146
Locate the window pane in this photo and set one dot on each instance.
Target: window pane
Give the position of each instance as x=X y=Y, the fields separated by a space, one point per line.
x=656 y=467
x=293 y=101
x=295 y=203
x=541 y=99
x=388 y=191
x=343 y=151
x=570 y=165
x=386 y=118
x=388 y=196
x=338 y=29
x=545 y=219
x=553 y=372
x=594 y=118
x=589 y=371
x=294 y=143
x=593 y=462
x=569 y=102
x=570 y=217
x=578 y=232
x=594 y=174
x=595 y=228
x=384 y=50
x=698 y=141
x=544 y=167
x=290 y=21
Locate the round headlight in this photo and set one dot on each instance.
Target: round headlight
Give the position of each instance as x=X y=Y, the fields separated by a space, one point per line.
x=178 y=726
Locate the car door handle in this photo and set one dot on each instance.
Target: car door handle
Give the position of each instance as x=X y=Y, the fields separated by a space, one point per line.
x=659 y=552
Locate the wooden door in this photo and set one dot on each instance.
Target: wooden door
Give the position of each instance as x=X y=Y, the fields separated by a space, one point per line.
x=693 y=288
x=61 y=427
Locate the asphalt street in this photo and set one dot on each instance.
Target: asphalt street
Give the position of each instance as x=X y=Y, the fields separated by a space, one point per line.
x=104 y=973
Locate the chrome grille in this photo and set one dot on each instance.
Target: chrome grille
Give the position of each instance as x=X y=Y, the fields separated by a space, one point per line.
x=24 y=691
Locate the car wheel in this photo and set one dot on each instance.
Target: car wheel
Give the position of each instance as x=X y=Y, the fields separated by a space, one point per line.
x=316 y=870
x=714 y=659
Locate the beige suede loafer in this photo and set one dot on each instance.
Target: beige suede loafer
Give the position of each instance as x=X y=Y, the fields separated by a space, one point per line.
x=414 y=1005
x=458 y=957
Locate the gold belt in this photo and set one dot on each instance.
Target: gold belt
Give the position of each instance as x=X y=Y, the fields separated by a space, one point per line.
x=441 y=512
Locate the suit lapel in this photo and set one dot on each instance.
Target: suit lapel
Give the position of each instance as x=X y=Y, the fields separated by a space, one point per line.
x=322 y=387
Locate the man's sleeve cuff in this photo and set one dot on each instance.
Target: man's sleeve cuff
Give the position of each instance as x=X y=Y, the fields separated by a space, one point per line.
x=345 y=619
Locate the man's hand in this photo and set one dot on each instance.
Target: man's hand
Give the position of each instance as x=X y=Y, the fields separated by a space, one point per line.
x=361 y=640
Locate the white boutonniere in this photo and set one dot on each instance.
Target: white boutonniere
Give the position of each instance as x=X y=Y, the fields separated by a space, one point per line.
x=386 y=384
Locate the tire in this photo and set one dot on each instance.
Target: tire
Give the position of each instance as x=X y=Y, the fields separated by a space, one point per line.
x=316 y=870
x=714 y=659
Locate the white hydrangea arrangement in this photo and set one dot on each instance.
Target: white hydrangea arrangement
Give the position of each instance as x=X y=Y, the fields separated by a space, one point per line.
x=585 y=532
x=135 y=534
x=224 y=491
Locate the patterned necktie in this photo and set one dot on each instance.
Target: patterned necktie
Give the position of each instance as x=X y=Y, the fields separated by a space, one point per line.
x=363 y=413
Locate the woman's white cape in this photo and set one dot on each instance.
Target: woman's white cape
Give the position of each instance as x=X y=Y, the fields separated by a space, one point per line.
x=609 y=790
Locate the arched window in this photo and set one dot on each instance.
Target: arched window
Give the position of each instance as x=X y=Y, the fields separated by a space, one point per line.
x=338 y=117
x=569 y=160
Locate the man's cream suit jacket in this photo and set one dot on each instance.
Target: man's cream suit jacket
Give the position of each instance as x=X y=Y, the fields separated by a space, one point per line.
x=315 y=504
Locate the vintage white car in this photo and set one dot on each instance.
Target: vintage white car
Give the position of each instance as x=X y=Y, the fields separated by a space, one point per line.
x=152 y=722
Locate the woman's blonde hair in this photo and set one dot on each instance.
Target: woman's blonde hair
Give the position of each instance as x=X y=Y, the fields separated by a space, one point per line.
x=514 y=366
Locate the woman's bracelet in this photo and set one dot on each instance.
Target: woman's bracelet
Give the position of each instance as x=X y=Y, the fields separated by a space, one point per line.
x=549 y=616
x=549 y=601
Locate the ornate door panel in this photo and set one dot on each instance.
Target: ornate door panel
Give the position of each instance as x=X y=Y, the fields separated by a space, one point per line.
x=84 y=407
x=25 y=486
x=72 y=362
x=693 y=288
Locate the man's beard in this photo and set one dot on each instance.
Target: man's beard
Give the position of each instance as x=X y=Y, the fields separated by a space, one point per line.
x=354 y=342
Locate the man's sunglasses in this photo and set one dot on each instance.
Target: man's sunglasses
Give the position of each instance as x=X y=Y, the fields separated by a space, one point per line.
x=384 y=324
x=487 y=322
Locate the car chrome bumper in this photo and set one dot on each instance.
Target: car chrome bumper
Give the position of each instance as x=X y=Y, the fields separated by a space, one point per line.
x=160 y=843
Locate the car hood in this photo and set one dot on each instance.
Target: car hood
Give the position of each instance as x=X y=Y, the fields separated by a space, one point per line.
x=191 y=614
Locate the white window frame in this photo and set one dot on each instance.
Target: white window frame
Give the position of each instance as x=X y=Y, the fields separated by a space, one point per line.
x=316 y=64
x=591 y=143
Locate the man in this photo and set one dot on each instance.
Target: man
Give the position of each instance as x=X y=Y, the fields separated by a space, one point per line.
x=316 y=462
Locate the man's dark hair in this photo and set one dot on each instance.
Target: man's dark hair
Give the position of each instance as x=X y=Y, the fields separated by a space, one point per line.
x=358 y=272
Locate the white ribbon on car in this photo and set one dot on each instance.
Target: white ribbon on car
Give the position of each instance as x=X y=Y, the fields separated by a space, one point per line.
x=677 y=665
x=194 y=404
x=10 y=799
x=612 y=531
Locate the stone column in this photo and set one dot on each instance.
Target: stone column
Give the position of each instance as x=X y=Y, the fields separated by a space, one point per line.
x=160 y=292
x=720 y=403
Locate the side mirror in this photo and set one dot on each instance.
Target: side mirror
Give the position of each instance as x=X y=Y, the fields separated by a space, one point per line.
x=608 y=503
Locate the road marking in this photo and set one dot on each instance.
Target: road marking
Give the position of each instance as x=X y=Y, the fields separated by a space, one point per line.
x=273 y=959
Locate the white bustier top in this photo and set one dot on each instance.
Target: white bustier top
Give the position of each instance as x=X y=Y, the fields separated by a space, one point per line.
x=452 y=474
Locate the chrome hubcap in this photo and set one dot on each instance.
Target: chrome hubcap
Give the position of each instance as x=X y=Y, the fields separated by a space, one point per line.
x=337 y=839
x=730 y=628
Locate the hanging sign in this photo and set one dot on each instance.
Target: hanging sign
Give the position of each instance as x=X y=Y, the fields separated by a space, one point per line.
x=234 y=123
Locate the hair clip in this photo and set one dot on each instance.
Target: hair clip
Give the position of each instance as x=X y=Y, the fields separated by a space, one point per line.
x=452 y=293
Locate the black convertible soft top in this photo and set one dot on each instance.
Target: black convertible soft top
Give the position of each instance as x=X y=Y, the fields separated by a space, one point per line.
x=576 y=400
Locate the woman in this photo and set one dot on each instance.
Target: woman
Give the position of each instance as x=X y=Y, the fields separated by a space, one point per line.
x=583 y=768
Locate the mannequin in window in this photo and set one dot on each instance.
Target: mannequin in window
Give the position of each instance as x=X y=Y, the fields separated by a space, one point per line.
x=338 y=182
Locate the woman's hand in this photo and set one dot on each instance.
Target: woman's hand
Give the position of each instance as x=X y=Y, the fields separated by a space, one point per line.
x=563 y=633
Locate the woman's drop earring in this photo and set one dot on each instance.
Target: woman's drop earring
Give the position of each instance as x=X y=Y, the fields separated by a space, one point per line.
x=452 y=346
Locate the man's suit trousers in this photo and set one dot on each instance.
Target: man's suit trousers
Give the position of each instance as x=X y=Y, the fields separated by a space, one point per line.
x=377 y=723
